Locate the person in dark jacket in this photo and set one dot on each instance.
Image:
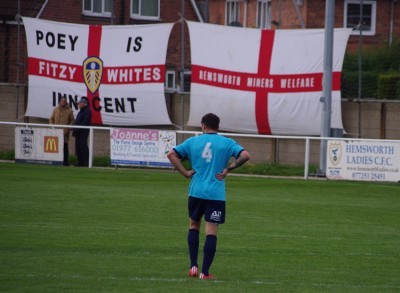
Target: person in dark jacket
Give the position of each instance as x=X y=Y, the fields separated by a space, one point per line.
x=83 y=118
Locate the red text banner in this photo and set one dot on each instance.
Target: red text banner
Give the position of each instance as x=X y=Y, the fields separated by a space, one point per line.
x=119 y=69
x=263 y=81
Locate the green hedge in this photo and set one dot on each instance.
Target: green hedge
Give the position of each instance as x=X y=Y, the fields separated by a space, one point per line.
x=398 y=91
x=380 y=60
x=369 y=80
x=383 y=62
x=388 y=86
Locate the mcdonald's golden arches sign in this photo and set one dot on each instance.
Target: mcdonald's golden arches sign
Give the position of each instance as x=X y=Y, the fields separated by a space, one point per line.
x=51 y=144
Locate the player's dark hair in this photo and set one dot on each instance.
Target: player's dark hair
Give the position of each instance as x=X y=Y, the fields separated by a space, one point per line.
x=211 y=121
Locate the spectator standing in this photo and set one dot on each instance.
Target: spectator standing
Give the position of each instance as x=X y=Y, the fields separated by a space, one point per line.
x=83 y=118
x=63 y=115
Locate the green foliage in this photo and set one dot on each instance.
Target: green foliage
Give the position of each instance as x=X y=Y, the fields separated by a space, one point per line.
x=269 y=169
x=369 y=81
x=106 y=230
x=387 y=85
x=249 y=168
x=101 y=161
x=350 y=62
x=373 y=60
x=273 y=169
x=398 y=91
x=253 y=169
x=374 y=63
x=7 y=155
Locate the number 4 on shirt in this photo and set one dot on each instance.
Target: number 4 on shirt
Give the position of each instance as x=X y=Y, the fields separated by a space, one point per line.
x=207 y=152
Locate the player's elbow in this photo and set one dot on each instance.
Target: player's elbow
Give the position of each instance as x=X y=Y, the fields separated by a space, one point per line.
x=245 y=155
x=171 y=154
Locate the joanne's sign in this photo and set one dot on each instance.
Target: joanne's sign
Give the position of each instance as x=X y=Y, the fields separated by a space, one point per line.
x=141 y=147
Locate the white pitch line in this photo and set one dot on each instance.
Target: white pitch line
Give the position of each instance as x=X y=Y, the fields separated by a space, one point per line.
x=187 y=279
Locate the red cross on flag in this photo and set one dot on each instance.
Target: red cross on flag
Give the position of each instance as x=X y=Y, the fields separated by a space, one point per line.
x=119 y=69
x=263 y=81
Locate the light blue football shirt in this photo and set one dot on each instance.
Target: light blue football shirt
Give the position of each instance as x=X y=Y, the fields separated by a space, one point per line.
x=209 y=155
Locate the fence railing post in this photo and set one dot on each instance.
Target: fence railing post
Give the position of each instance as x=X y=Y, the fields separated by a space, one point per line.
x=307 y=158
x=91 y=147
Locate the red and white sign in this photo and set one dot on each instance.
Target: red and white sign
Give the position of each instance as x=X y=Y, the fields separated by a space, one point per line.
x=263 y=81
x=141 y=147
x=120 y=69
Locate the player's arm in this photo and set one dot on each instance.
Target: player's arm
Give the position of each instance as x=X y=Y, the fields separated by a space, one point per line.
x=177 y=163
x=244 y=156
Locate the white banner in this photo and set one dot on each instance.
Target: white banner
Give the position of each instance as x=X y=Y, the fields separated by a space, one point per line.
x=263 y=81
x=363 y=161
x=141 y=147
x=39 y=145
x=120 y=69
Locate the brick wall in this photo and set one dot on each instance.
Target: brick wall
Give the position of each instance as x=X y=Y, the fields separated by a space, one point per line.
x=313 y=16
x=71 y=12
x=316 y=19
x=288 y=15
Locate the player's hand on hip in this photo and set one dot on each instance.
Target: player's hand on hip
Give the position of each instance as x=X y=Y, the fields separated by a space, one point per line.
x=190 y=174
x=221 y=176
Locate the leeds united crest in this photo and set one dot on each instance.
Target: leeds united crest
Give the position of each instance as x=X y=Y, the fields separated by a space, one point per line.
x=92 y=72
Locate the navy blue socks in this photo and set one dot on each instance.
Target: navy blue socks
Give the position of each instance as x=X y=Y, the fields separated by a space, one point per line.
x=193 y=243
x=210 y=246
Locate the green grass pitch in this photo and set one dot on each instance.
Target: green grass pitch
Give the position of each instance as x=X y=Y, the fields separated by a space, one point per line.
x=106 y=230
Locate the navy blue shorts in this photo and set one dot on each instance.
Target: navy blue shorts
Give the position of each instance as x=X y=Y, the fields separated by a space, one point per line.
x=213 y=210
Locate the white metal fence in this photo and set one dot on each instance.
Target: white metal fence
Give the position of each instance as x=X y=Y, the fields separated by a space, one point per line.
x=306 y=139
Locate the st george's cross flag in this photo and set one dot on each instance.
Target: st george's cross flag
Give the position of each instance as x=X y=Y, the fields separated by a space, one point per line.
x=263 y=81
x=120 y=69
